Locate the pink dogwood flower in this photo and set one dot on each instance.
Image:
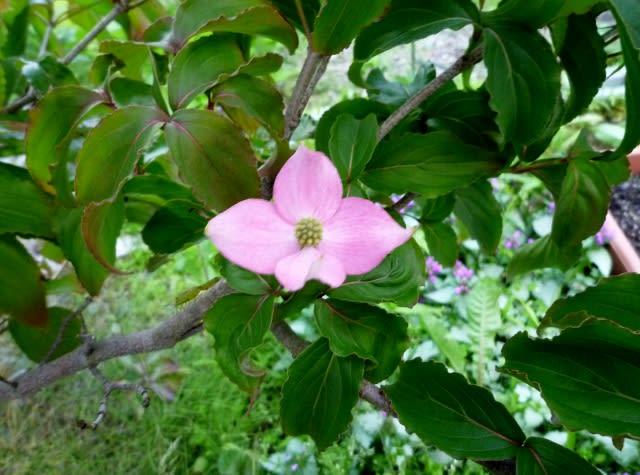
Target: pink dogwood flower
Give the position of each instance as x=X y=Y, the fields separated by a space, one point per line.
x=309 y=231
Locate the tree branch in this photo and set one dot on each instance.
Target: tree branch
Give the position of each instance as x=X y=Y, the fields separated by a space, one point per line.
x=463 y=63
x=165 y=335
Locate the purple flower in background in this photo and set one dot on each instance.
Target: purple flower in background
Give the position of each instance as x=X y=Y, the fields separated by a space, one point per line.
x=605 y=235
x=294 y=467
x=463 y=274
x=514 y=241
x=433 y=267
x=552 y=206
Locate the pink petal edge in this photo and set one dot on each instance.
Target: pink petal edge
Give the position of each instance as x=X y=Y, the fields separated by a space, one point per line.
x=360 y=235
x=252 y=235
x=295 y=270
x=307 y=186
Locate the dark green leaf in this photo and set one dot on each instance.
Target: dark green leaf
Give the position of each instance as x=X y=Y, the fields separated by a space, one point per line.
x=582 y=204
x=396 y=93
x=365 y=331
x=101 y=225
x=111 y=151
x=156 y=188
x=478 y=209
x=540 y=13
x=616 y=299
x=213 y=157
x=410 y=20
x=174 y=226
x=589 y=376
x=254 y=97
x=131 y=57
x=289 y=10
x=523 y=79
x=442 y=242
x=542 y=457
x=239 y=323
x=352 y=144
x=21 y=291
x=358 y=108
x=444 y=410
x=437 y=209
x=208 y=61
x=17 y=27
x=339 y=22
x=47 y=73
x=396 y=279
x=52 y=124
x=319 y=393
x=628 y=19
x=584 y=58
x=37 y=342
x=252 y=17
x=543 y=253
x=24 y=208
x=432 y=164
x=127 y=92
x=244 y=280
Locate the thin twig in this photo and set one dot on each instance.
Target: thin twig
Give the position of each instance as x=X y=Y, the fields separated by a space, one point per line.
x=312 y=70
x=63 y=327
x=463 y=63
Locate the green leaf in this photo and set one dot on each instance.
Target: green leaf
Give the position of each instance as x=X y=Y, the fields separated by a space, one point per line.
x=254 y=97
x=21 y=291
x=289 y=10
x=156 y=188
x=251 y=17
x=18 y=25
x=455 y=352
x=478 y=209
x=540 y=456
x=523 y=79
x=24 y=208
x=352 y=144
x=543 y=253
x=442 y=242
x=438 y=209
x=484 y=320
x=52 y=125
x=47 y=73
x=127 y=92
x=339 y=22
x=67 y=226
x=213 y=157
x=582 y=204
x=319 y=393
x=244 y=280
x=615 y=300
x=101 y=225
x=358 y=108
x=411 y=20
x=628 y=21
x=174 y=226
x=432 y=164
x=540 y=13
x=589 y=376
x=444 y=410
x=397 y=93
x=584 y=59
x=131 y=57
x=396 y=279
x=208 y=61
x=365 y=331
x=111 y=151
x=37 y=342
x=239 y=323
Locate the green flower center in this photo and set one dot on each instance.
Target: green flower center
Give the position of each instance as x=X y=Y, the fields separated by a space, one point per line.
x=309 y=232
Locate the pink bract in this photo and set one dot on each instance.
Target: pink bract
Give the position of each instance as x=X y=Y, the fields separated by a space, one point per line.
x=259 y=235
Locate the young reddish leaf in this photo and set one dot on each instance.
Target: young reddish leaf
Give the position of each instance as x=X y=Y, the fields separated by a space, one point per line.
x=37 y=342
x=21 y=291
x=319 y=393
x=339 y=22
x=67 y=226
x=111 y=150
x=239 y=323
x=101 y=225
x=459 y=418
x=251 y=17
x=213 y=157
x=51 y=127
x=24 y=208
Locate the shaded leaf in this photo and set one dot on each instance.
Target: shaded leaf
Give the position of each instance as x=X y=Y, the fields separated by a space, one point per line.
x=174 y=226
x=239 y=323
x=442 y=242
x=126 y=92
x=352 y=144
x=396 y=279
x=213 y=157
x=444 y=410
x=432 y=164
x=543 y=253
x=540 y=13
x=366 y=331
x=478 y=209
x=111 y=150
x=319 y=393
x=540 y=456
x=24 y=208
x=244 y=280
x=37 y=342
x=47 y=73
